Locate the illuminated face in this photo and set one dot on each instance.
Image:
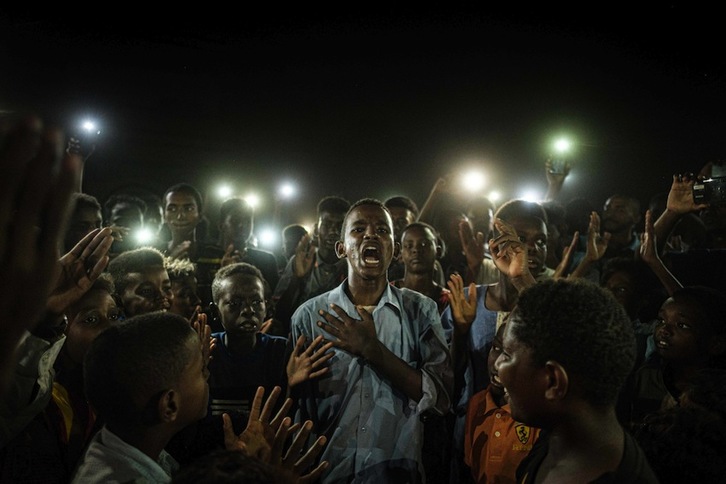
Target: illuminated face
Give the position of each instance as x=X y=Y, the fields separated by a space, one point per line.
x=481 y=218
x=418 y=250
x=95 y=312
x=181 y=213
x=368 y=242
x=242 y=305
x=533 y=232
x=329 y=229
x=402 y=217
x=146 y=292
x=185 y=300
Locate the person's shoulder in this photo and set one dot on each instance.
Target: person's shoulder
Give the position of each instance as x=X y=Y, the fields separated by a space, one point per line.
x=312 y=305
x=260 y=254
x=413 y=301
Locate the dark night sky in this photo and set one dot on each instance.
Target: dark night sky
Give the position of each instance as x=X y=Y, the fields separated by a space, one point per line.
x=375 y=104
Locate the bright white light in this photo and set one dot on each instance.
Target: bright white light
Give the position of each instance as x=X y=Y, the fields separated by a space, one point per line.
x=562 y=145
x=224 y=191
x=267 y=237
x=473 y=181
x=144 y=236
x=90 y=126
x=494 y=196
x=287 y=190
x=253 y=200
x=531 y=195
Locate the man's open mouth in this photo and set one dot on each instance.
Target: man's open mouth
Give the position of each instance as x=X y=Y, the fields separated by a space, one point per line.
x=371 y=256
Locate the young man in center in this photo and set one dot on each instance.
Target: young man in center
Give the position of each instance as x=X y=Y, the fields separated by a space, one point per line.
x=391 y=361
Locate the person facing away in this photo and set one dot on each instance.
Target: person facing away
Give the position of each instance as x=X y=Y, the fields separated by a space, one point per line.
x=390 y=361
x=495 y=443
x=567 y=350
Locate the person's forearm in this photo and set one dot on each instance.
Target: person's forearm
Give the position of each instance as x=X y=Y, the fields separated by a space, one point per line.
x=395 y=370
x=663 y=227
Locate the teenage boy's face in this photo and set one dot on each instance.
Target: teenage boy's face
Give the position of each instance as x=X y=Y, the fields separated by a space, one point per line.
x=418 y=250
x=81 y=223
x=680 y=336
x=181 y=212
x=622 y=286
x=617 y=215
x=146 y=292
x=185 y=299
x=368 y=242
x=533 y=232
x=192 y=387
x=329 y=229
x=242 y=304
x=518 y=374
x=87 y=318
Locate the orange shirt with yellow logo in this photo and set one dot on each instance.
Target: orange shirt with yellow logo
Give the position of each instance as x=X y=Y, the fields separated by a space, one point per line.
x=494 y=444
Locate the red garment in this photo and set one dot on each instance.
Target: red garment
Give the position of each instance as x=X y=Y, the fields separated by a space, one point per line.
x=494 y=443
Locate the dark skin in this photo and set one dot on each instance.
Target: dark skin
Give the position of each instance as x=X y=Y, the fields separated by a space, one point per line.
x=419 y=252
x=368 y=226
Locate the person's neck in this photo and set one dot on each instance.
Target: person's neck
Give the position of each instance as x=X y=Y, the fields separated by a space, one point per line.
x=227 y=241
x=149 y=440
x=240 y=344
x=423 y=283
x=587 y=443
x=365 y=292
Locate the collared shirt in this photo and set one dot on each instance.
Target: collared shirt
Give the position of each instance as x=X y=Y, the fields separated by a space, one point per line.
x=494 y=443
x=374 y=430
x=110 y=459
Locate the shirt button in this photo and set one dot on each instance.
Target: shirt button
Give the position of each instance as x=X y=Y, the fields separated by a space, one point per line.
x=499 y=415
x=363 y=429
x=367 y=395
x=497 y=433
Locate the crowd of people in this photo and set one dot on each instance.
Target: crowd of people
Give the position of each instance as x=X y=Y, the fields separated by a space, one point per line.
x=463 y=342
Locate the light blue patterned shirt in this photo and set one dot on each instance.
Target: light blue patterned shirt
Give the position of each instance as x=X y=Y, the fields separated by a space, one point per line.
x=374 y=430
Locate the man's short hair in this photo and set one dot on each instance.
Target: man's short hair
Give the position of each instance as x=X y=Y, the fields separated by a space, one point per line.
x=402 y=202
x=185 y=188
x=633 y=202
x=235 y=204
x=582 y=327
x=129 y=363
x=296 y=230
x=228 y=467
x=420 y=225
x=521 y=208
x=79 y=201
x=242 y=268
x=133 y=261
x=113 y=200
x=333 y=204
x=179 y=269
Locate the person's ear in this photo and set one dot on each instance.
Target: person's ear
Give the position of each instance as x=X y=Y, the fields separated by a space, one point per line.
x=396 y=250
x=168 y=406
x=558 y=382
x=340 y=249
x=439 y=250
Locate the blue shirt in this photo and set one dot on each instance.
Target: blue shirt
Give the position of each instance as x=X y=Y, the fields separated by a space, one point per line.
x=374 y=430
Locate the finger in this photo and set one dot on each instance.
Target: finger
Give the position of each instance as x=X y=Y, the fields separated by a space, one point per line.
x=230 y=249
x=257 y=404
x=322 y=351
x=269 y=403
x=230 y=439
x=472 y=292
x=265 y=327
x=310 y=456
x=298 y=442
x=278 y=444
x=322 y=359
x=300 y=343
x=315 y=474
x=364 y=314
x=344 y=318
x=282 y=413
x=98 y=268
x=320 y=372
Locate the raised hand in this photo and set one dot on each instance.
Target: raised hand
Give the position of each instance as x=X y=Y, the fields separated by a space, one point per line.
x=79 y=269
x=180 y=251
x=308 y=363
x=680 y=197
x=463 y=308
x=304 y=256
x=566 y=257
x=355 y=336
x=293 y=463
x=258 y=437
x=510 y=255
x=648 y=251
x=596 y=244
x=231 y=256
x=473 y=246
x=204 y=331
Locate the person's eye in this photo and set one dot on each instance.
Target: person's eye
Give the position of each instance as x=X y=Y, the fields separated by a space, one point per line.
x=191 y=209
x=114 y=315
x=233 y=304
x=148 y=293
x=541 y=242
x=496 y=347
x=682 y=325
x=257 y=302
x=522 y=239
x=91 y=320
